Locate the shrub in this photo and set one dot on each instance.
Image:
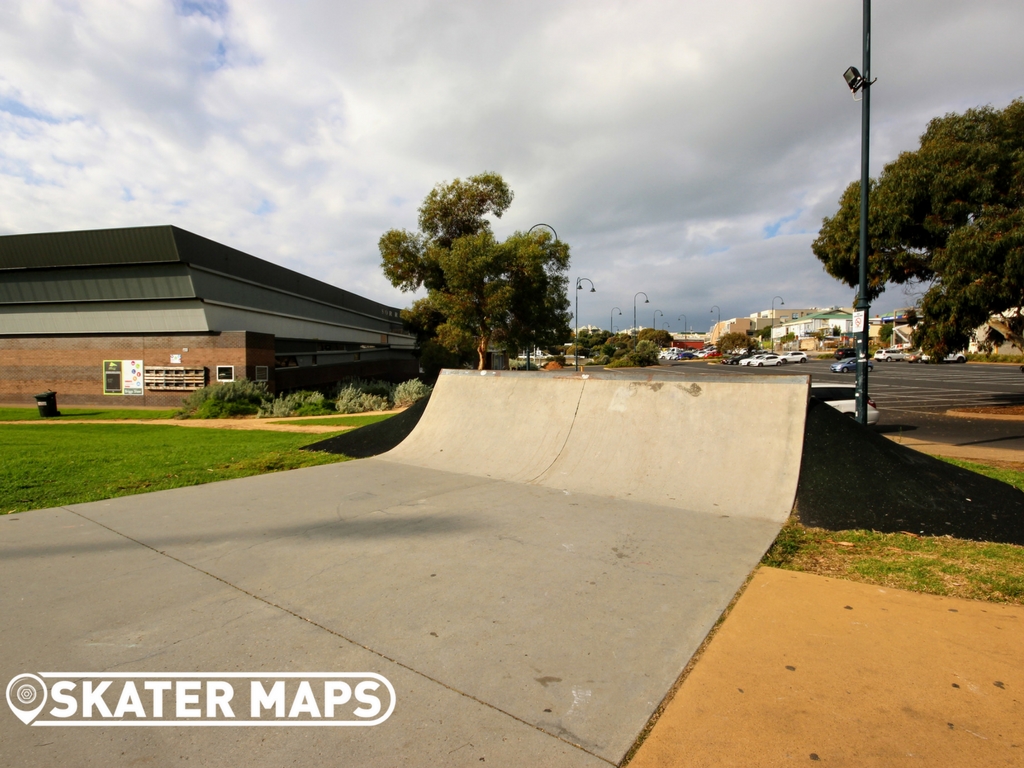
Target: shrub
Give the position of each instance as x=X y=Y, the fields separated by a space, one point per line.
x=409 y=392
x=301 y=403
x=646 y=353
x=351 y=400
x=218 y=401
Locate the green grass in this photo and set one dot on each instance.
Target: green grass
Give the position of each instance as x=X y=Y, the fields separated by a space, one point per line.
x=97 y=414
x=357 y=420
x=1012 y=477
x=71 y=463
x=939 y=565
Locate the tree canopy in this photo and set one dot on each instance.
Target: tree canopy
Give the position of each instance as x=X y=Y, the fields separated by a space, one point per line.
x=949 y=215
x=479 y=291
x=730 y=342
x=659 y=336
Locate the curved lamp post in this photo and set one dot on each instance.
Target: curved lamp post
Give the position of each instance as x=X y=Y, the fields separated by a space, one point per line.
x=611 y=321
x=683 y=318
x=771 y=336
x=646 y=301
x=529 y=349
x=654 y=318
x=576 y=338
x=719 y=315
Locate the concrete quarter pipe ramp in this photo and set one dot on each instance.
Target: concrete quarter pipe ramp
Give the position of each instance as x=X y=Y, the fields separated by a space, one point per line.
x=531 y=568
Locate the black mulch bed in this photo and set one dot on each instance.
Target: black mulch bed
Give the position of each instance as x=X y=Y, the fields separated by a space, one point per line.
x=852 y=477
x=373 y=439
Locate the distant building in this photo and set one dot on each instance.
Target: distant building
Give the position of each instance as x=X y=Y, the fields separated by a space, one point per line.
x=142 y=316
x=810 y=325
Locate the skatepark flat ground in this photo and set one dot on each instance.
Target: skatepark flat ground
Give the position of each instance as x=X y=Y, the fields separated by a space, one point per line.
x=808 y=670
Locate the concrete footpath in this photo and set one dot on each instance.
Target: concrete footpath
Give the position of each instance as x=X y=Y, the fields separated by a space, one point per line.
x=807 y=669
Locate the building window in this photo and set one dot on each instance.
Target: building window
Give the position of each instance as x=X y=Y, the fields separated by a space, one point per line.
x=225 y=373
x=261 y=373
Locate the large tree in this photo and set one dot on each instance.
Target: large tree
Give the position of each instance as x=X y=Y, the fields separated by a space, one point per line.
x=480 y=292
x=949 y=215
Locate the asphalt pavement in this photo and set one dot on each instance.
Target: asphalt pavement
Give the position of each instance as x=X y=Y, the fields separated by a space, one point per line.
x=912 y=399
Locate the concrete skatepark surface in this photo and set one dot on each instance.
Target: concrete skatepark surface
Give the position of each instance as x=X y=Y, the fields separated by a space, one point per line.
x=532 y=595
x=808 y=670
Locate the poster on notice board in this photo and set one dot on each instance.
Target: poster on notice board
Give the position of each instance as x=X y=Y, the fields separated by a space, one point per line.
x=133 y=377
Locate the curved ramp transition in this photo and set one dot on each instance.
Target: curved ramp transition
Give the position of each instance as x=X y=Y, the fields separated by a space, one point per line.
x=717 y=444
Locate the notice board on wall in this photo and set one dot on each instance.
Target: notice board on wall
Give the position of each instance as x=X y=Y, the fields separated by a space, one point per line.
x=132 y=375
x=122 y=377
x=111 y=377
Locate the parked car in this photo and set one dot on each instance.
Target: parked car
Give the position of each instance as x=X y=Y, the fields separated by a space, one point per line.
x=913 y=357
x=737 y=359
x=953 y=357
x=771 y=359
x=843 y=397
x=844 y=352
x=752 y=360
x=889 y=355
x=848 y=366
x=795 y=357
x=712 y=353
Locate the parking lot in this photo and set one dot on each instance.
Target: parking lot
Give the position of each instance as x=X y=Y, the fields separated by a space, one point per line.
x=905 y=387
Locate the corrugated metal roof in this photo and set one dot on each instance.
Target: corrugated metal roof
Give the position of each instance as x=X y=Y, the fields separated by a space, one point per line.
x=148 y=245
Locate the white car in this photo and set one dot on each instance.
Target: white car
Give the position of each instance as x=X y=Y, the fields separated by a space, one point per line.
x=890 y=355
x=753 y=359
x=794 y=357
x=953 y=357
x=762 y=360
x=843 y=397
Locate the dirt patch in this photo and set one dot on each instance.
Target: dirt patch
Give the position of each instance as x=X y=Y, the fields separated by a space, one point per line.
x=854 y=478
x=373 y=439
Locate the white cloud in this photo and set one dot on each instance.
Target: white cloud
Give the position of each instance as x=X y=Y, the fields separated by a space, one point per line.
x=686 y=150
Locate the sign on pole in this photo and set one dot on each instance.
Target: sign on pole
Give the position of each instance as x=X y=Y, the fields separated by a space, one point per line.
x=859 y=318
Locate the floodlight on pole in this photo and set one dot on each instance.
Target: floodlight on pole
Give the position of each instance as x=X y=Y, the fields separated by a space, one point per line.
x=646 y=301
x=576 y=338
x=861 y=81
x=771 y=336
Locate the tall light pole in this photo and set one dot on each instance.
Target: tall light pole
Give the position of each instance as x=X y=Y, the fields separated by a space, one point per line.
x=654 y=318
x=719 y=315
x=529 y=348
x=858 y=81
x=646 y=301
x=683 y=318
x=576 y=338
x=771 y=336
x=611 y=321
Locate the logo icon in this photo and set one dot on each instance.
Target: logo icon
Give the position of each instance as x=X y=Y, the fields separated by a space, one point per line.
x=23 y=692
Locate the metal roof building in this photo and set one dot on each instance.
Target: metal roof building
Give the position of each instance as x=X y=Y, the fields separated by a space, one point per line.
x=159 y=295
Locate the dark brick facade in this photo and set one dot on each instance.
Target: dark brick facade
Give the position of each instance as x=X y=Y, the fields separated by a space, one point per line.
x=72 y=365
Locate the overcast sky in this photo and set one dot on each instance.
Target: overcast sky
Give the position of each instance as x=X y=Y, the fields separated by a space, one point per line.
x=685 y=149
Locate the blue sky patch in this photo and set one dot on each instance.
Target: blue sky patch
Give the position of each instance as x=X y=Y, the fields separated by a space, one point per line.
x=772 y=230
x=16 y=108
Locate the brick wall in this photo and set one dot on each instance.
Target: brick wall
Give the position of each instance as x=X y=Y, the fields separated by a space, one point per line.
x=72 y=365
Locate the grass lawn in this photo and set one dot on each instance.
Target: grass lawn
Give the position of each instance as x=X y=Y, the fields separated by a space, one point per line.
x=1012 y=477
x=354 y=420
x=98 y=414
x=939 y=565
x=66 y=464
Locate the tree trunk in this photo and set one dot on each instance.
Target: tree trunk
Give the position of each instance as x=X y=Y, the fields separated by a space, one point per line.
x=481 y=349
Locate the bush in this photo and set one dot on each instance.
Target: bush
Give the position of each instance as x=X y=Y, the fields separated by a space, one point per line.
x=219 y=401
x=301 y=403
x=352 y=400
x=646 y=353
x=409 y=392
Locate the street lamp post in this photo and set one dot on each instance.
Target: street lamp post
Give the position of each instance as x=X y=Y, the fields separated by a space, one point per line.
x=529 y=348
x=683 y=318
x=646 y=301
x=858 y=81
x=576 y=338
x=611 y=321
x=654 y=318
x=719 y=315
x=771 y=336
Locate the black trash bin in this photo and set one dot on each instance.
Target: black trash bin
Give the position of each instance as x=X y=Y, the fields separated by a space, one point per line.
x=47 y=403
